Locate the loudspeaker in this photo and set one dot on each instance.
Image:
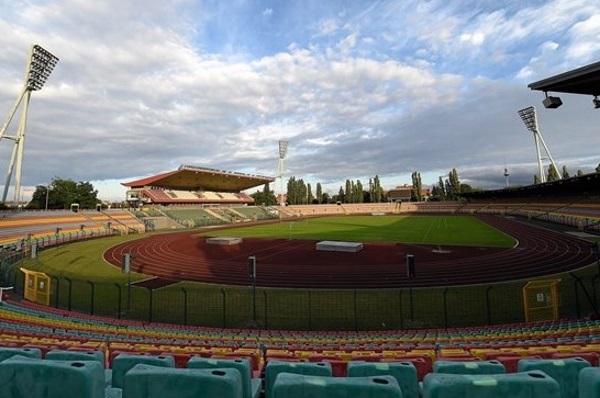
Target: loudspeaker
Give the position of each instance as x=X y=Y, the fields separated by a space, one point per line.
x=552 y=102
x=410 y=266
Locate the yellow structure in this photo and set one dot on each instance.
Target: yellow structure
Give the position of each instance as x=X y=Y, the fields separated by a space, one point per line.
x=37 y=286
x=540 y=299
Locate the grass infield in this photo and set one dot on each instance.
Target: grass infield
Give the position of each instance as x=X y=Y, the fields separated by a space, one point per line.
x=430 y=229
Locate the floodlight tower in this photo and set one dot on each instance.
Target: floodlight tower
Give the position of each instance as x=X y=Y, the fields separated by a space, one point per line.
x=283 y=147
x=506 y=174
x=529 y=118
x=39 y=66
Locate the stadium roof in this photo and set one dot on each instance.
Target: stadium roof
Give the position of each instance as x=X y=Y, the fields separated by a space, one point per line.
x=194 y=178
x=584 y=185
x=584 y=80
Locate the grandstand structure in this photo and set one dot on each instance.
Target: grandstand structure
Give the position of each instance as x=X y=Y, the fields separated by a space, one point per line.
x=192 y=185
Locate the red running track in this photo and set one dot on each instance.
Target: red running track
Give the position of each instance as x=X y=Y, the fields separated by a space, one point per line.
x=296 y=263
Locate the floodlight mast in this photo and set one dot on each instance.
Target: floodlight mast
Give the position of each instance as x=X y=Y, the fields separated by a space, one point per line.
x=283 y=147
x=40 y=65
x=529 y=118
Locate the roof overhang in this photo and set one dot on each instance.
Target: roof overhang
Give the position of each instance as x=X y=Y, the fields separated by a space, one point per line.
x=584 y=80
x=194 y=178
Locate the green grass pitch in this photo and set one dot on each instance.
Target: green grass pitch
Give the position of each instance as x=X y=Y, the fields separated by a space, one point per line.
x=429 y=229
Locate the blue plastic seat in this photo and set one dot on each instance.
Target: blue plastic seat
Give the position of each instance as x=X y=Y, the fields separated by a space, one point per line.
x=469 y=367
x=534 y=384
x=67 y=355
x=7 y=352
x=288 y=385
x=147 y=381
x=405 y=374
x=274 y=368
x=124 y=362
x=22 y=377
x=564 y=371
x=251 y=386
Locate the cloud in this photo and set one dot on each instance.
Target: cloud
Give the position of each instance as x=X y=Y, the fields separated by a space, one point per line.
x=385 y=88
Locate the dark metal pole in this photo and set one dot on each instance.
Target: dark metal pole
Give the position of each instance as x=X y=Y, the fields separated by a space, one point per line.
x=92 y=301
x=119 y=302
x=185 y=305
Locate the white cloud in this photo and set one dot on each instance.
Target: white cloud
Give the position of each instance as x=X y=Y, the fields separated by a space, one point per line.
x=373 y=89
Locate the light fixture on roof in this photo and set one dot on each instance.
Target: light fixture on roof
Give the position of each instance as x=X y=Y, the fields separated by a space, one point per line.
x=596 y=102
x=551 y=102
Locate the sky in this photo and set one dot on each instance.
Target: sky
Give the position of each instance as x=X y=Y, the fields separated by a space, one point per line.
x=357 y=88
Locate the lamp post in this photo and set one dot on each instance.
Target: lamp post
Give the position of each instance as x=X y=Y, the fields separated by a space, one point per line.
x=40 y=65
x=47 y=194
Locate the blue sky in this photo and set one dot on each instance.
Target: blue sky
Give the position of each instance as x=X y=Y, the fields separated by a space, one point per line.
x=358 y=88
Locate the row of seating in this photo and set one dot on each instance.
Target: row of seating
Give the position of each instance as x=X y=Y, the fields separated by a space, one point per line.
x=24 y=373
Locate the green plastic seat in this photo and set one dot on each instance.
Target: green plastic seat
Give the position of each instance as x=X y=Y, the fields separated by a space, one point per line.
x=288 y=385
x=250 y=386
x=469 y=367
x=124 y=362
x=534 y=384
x=589 y=383
x=25 y=377
x=274 y=368
x=147 y=381
x=564 y=371
x=7 y=352
x=66 y=355
x=405 y=374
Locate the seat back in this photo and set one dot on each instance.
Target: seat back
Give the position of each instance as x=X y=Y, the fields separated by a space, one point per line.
x=150 y=381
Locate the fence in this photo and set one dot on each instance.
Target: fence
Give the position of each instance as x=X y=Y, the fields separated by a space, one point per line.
x=310 y=309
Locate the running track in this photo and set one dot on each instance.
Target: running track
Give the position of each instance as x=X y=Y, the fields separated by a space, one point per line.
x=296 y=263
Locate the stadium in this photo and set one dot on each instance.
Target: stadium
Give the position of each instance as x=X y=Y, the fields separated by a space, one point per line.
x=495 y=292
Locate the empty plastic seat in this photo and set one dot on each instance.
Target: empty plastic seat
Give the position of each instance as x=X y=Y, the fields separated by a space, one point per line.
x=7 y=352
x=564 y=371
x=123 y=362
x=251 y=387
x=405 y=374
x=32 y=377
x=68 y=355
x=469 y=367
x=288 y=385
x=147 y=381
x=273 y=368
x=589 y=383
x=534 y=384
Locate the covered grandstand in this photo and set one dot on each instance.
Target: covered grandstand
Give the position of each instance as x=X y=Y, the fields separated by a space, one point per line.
x=192 y=185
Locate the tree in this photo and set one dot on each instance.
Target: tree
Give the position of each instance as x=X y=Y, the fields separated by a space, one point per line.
x=536 y=179
x=416 y=192
x=348 y=191
x=552 y=174
x=341 y=196
x=265 y=197
x=309 y=195
x=579 y=172
x=375 y=190
x=319 y=193
x=565 y=172
x=598 y=168
x=441 y=189
x=61 y=193
x=360 y=197
x=453 y=185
